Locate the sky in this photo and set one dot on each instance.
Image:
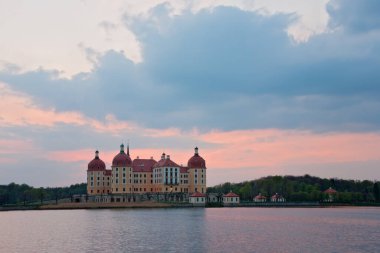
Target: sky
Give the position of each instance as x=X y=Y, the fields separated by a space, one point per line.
x=262 y=87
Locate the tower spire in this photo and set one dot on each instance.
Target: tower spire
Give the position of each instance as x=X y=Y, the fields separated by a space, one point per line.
x=128 y=148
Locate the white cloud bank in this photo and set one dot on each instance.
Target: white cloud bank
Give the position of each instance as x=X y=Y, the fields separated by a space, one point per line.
x=69 y=36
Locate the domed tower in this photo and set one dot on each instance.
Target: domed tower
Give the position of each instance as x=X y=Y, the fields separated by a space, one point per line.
x=95 y=171
x=197 y=173
x=121 y=171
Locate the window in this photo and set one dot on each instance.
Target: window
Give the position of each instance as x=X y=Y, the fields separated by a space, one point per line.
x=123 y=169
x=123 y=189
x=117 y=169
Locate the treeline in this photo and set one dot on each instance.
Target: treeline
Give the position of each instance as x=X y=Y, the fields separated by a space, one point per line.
x=304 y=188
x=25 y=194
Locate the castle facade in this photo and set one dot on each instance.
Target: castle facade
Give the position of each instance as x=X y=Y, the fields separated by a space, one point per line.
x=141 y=176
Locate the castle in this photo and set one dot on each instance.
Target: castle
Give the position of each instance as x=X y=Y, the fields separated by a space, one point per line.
x=143 y=176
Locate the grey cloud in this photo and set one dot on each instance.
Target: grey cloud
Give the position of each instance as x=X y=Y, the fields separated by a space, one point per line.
x=227 y=69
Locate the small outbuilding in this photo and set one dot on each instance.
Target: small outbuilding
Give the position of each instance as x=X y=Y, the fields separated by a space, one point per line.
x=260 y=198
x=214 y=198
x=198 y=199
x=231 y=199
x=277 y=198
x=330 y=194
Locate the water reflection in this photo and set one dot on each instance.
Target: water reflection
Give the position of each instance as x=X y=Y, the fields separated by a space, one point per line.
x=192 y=230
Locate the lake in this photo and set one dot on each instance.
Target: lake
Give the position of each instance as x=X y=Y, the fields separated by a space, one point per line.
x=192 y=230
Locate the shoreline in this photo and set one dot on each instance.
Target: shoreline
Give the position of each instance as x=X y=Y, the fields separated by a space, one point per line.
x=150 y=204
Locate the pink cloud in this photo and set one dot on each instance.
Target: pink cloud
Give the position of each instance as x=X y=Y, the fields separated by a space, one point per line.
x=274 y=148
x=15 y=146
x=271 y=149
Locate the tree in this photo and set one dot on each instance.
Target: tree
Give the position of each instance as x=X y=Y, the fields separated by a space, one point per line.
x=42 y=195
x=246 y=190
x=376 y=191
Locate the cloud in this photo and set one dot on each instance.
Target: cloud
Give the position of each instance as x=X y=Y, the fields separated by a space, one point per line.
x=280 y=86
x=69 y=37
x=246 y=73
x=57 y=36
x=355 y=16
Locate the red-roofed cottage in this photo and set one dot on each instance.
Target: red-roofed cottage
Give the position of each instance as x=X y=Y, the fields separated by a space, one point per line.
x=330 y=194
x=231 y=199
x=198 y=199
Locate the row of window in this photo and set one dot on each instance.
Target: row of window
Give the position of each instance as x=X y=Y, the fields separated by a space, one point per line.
x=98 y=178
x=92 y=184
x=98 y=191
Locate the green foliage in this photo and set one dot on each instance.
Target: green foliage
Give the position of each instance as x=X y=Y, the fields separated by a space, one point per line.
x=376 y=191
x=24 y=194
x=303 y=188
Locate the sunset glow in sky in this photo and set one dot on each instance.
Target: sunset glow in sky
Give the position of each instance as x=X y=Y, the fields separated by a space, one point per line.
x=262 y=87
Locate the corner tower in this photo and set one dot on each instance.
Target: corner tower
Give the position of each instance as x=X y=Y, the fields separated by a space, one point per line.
x=121 y=171
x=197 y=173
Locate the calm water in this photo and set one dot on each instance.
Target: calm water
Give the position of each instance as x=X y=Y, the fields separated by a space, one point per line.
x=192 y=230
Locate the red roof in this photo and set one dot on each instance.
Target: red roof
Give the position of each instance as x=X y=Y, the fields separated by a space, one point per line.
x=96 y=164
x=260 y=197
x=183 y=169
x=197 y=194
x=231 y=194
x=330 y=191
x=108 y=172
x=165 y=162
x=143 y=165
x=122 y=159
x=196 y=161
x=276 y=196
